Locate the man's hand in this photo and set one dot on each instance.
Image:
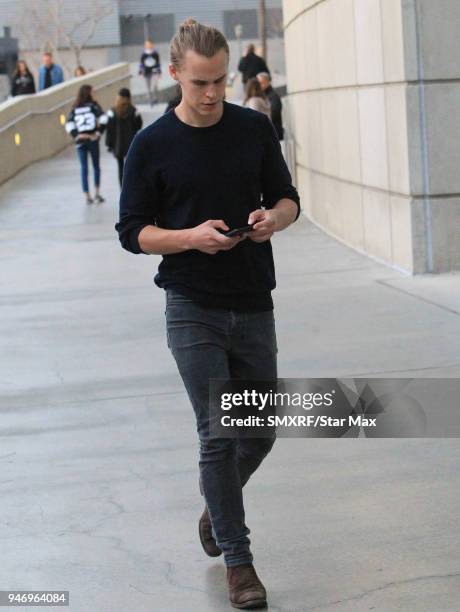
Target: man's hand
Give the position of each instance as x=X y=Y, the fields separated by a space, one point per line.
x=207 y=239
x=265 y=224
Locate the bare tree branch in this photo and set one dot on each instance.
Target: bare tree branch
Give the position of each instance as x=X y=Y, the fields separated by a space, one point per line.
x=47 y=23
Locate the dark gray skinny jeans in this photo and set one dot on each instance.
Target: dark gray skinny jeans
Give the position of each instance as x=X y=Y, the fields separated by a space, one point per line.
x=215 y=343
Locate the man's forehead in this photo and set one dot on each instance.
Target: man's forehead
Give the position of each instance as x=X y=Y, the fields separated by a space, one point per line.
x=205 y=68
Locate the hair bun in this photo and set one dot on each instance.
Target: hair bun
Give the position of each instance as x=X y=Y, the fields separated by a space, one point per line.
x=188 y=23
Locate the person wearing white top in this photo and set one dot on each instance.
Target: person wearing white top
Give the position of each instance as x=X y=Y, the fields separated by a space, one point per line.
x=255 y=98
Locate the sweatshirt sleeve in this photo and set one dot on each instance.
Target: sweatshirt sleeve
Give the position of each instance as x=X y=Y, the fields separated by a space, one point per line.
x=110 y=131
x=70 y=126
x=102 y=118
x=276 y=178
x=137 y=121
x=157 y=61
x=140 y=196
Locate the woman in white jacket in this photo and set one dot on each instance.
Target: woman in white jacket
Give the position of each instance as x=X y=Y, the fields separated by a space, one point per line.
x=255 y=98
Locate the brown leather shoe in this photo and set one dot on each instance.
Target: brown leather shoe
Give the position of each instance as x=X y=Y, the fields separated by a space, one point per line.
x=245 y=589
x=207 y=541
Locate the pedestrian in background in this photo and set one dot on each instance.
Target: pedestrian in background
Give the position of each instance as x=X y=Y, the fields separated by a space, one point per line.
x=85 y=123
x=22 y=80
x=150 y=69
x=251 y=64
x=124 y=122
x=276 y=105
x=49 y=73
x=79 y=71
x=255 y=97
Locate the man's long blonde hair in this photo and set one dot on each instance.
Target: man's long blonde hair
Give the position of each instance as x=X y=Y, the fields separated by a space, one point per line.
x=193 y=36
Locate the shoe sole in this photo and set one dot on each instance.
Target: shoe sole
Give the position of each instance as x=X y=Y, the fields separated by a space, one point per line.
x=216 y=554
x=251 y=604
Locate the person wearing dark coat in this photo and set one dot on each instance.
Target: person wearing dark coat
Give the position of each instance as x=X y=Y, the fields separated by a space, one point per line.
x=22 y=81
x=275 y=102
x=251 y=64
x=124 y=122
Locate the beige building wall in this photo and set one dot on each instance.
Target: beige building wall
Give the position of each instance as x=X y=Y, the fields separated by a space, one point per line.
x=374 y=112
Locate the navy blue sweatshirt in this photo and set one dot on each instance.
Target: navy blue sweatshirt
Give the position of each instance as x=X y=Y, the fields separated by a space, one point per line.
x=178 y=176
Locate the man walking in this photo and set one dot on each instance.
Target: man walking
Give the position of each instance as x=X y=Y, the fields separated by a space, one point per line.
x=251 y=64
x=201 y=169
x=49 y=74
x=276 y=105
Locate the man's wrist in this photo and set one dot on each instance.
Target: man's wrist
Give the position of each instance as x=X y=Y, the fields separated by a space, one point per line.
x=278 y=218
x=281 y=221
x=185 y=241
x=285 y=214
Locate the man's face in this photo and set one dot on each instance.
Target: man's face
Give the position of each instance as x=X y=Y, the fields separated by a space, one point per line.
x=264 y=82
x=148 y=45
x=203 y=81
x=47 y=61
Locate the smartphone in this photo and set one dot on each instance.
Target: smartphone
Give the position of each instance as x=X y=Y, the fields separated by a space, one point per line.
x=238 y=231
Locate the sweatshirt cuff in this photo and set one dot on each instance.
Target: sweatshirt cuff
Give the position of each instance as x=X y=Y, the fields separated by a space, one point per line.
x=134 y=239
x=298 y=210
x=295 y=200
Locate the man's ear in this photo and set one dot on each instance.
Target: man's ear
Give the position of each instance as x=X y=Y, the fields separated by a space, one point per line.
x=173 y=72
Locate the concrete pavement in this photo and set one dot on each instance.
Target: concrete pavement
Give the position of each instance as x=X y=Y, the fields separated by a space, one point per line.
x=98 y=452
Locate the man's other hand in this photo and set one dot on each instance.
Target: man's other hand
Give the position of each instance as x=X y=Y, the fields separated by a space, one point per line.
x=264 y=224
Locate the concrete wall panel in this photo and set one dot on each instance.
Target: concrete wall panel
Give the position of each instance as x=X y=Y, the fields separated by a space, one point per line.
x=348 y=131
x=392 y=40
x=377 y=224
x=440 y=27
x=401 y=229
x=352 y=215
x=336 y=47
x=373 y=137
x=397 y=139
x=329 y=132
x=445 y=213
x=443 y=132
x=369 y=49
